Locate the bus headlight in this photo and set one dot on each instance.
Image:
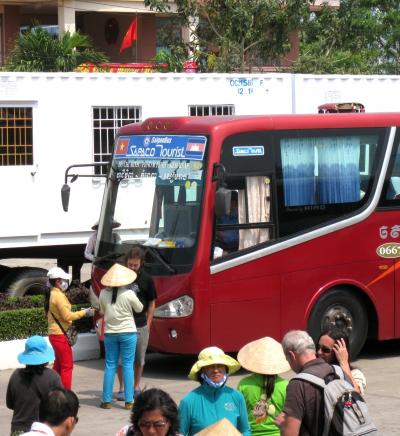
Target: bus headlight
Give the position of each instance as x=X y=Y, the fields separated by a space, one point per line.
x=182 y=306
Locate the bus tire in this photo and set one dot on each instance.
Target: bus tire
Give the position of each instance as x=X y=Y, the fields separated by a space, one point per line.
x=4 y=270
x=22 y=281
x=342 y=308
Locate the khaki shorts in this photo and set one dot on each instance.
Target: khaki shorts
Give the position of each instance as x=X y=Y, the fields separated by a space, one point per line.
x=141 y=345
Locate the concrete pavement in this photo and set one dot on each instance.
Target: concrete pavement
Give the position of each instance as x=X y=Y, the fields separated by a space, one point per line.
x=379 y=362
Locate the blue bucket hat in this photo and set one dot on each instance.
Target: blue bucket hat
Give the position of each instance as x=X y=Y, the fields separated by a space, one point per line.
x=37 y=351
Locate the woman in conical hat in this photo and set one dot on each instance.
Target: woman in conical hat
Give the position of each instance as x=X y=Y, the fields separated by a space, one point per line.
x=117 y=300
x=264 y=391
x=212 y=400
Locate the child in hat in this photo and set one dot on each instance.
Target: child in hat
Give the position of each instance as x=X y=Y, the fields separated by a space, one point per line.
x=264 y=391
x=29 y=384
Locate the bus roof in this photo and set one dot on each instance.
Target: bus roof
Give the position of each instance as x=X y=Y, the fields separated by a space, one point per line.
x=236 y=124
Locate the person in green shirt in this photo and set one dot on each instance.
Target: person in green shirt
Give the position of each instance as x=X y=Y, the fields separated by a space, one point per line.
x=264 y=391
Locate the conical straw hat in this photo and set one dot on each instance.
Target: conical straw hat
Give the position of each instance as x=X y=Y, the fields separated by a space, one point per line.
x=263 y=356
x=220 y=428
x=118 y=275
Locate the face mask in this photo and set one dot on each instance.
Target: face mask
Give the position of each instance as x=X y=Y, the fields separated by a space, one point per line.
x=214 y=384
x=64 y=285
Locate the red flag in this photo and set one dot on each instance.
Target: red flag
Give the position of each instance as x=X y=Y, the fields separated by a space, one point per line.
x=130 y=36
x=122 y=146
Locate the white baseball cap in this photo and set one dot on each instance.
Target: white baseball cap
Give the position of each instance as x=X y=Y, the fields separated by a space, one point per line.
x=58 y=273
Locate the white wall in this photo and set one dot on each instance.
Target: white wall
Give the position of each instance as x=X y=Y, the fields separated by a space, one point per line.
x=86 y=348
x=62 y=130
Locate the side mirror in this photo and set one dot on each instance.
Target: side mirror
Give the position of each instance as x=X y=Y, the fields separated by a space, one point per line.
x=222 y=201
x=65 y=190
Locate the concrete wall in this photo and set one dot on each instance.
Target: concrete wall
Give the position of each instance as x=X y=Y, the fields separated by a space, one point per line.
x=86 y=348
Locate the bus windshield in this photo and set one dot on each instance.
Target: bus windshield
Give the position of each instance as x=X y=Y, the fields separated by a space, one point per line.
x=153 y=199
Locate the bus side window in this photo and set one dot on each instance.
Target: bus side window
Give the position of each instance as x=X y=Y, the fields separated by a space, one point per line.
x=392 y=185
x=393 y=192
x=248 y=159
x=254 y=207
x=248 y=223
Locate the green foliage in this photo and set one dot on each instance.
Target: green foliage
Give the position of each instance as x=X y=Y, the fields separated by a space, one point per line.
x=19 y=324
x=362 y=37
x=22 y=323
x=239 y=33
x=9 y=303
x=37 y=50
x=177 y=52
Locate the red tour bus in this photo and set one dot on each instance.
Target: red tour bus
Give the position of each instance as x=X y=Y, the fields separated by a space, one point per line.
x=255 y=225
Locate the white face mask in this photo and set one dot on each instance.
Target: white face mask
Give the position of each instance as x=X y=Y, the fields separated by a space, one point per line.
x=64 y=285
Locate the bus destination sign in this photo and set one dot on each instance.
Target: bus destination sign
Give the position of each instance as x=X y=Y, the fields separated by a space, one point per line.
x=181 y=147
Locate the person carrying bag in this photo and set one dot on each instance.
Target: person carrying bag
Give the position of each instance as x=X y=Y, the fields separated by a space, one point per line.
x=59 y=318
x=71 y=334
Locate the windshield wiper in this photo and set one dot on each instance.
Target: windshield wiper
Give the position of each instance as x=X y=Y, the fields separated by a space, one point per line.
x=156 y=255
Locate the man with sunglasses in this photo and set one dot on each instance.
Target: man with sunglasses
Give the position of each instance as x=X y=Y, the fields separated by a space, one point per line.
x=58 y=414
x=303 y=412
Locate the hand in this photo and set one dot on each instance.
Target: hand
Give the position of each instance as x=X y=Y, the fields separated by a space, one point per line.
x=342 y=355
x=89 y=312
x=279 y=419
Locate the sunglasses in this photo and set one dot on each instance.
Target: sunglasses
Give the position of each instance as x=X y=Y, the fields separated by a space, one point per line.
x=325 y=350
x=156 y=424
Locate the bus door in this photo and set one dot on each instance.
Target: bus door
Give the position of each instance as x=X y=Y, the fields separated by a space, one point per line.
x=389 y=230
x=245 y=293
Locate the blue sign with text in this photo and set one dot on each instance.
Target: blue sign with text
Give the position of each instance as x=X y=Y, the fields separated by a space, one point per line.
x=161 y=147
x=248 y=150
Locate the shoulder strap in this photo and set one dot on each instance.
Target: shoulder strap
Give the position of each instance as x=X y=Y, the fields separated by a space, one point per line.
x=315 y=380
x=338 y=371
x=59 y=324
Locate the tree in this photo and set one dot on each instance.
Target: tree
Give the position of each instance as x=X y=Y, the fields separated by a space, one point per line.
x=361 y=37
x=240 y=33
x=37 y=50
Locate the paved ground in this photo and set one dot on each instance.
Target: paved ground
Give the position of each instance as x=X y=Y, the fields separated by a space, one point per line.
x=379 y=362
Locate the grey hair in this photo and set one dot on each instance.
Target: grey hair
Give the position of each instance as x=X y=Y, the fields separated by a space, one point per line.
x=297 y=341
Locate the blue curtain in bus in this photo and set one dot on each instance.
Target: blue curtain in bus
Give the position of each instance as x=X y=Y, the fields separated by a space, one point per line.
x=338 y=170
x=298 y=171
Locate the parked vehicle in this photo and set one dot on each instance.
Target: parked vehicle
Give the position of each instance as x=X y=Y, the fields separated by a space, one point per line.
x=41 y=135
x=317 y=225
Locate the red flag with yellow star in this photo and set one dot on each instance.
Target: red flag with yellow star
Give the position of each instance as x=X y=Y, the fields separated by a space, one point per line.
x=122 y=146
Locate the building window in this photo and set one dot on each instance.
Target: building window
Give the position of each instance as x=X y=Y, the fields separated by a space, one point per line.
x=16 y=145
x=106 y=122
x=208 y=110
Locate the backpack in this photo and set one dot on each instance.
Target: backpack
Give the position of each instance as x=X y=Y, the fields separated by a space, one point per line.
x=346 y=412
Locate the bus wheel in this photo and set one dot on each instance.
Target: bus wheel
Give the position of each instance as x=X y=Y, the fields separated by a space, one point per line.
x=4 y=270
x=339 y=307
x=22 y=281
